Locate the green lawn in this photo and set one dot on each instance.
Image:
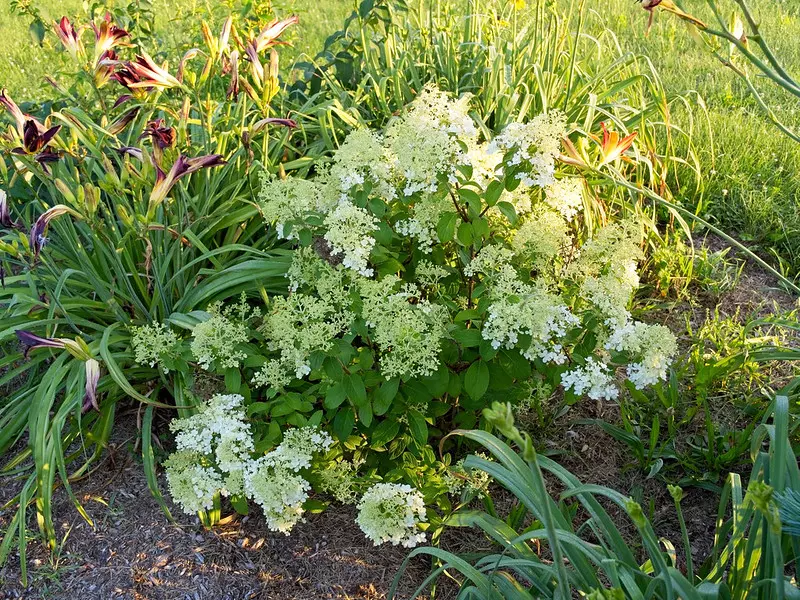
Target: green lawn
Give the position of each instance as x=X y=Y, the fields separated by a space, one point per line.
x=751 y=189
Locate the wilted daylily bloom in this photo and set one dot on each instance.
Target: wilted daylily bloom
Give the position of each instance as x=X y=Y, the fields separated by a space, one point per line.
x=70 y=38
x=31 y=341
x=144 y=73
x=107 y=36
x=233 y=88
x=183 y=166
x=131 y=151
x=190 y=54
x=270 y=34
x=162 y=136
x=5 y=214
x=290 y=123
x=92 y=377
x=120 y=124
x=36 y=237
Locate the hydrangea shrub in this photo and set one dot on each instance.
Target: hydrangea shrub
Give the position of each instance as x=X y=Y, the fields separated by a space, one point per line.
x=436 y=269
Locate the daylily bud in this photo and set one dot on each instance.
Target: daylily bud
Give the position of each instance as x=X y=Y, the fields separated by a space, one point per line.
x=78 y=349
x=502 y=418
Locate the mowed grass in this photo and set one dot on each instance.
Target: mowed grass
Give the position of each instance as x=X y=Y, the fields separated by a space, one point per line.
x=752 y=187
x=24 y=64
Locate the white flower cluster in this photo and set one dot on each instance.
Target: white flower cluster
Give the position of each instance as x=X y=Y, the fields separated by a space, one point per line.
x=520 y=310
x=392 y=512
x=213 y=447
x=287 y=203
x=565 y=196
x=607 y=268
x=534 y=145
x=538 y=314
x=407 y=329
x=593 y=378
x=214 y=457
x=152 y=343
x=542 y=239
x=349 y=233
x=216 y=340
x=653 y=346
x=274 y=481
x=422 y=225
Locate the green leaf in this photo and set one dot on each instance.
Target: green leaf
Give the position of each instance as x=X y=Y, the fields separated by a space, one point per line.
x=493 y=192
x=365 y=414
x=343 y=423
x=464 y=234
x=446 y=227
x=476 y=380
x=472 y=198
x=509 y=211
x=335 y=396
x=385 y=432
x=233 y=380
x=468 y=338
x=385 y=396
x=354 y=387
x=418 y=426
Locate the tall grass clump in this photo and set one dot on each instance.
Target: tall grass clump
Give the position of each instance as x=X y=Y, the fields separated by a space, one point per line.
x=517 y=62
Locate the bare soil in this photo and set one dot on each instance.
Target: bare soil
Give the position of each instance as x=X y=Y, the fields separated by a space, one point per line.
x=134 y=553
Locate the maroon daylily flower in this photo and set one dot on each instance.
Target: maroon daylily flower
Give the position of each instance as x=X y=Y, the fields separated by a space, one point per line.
x=31 y=341
x=107 y=36
x=182 y=167
x=70 y=37
x=162 y=136
x=35 y=137
x=92 y=378
x=5 y=214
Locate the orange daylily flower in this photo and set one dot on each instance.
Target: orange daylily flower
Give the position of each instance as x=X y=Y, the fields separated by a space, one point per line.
x=612 y=147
